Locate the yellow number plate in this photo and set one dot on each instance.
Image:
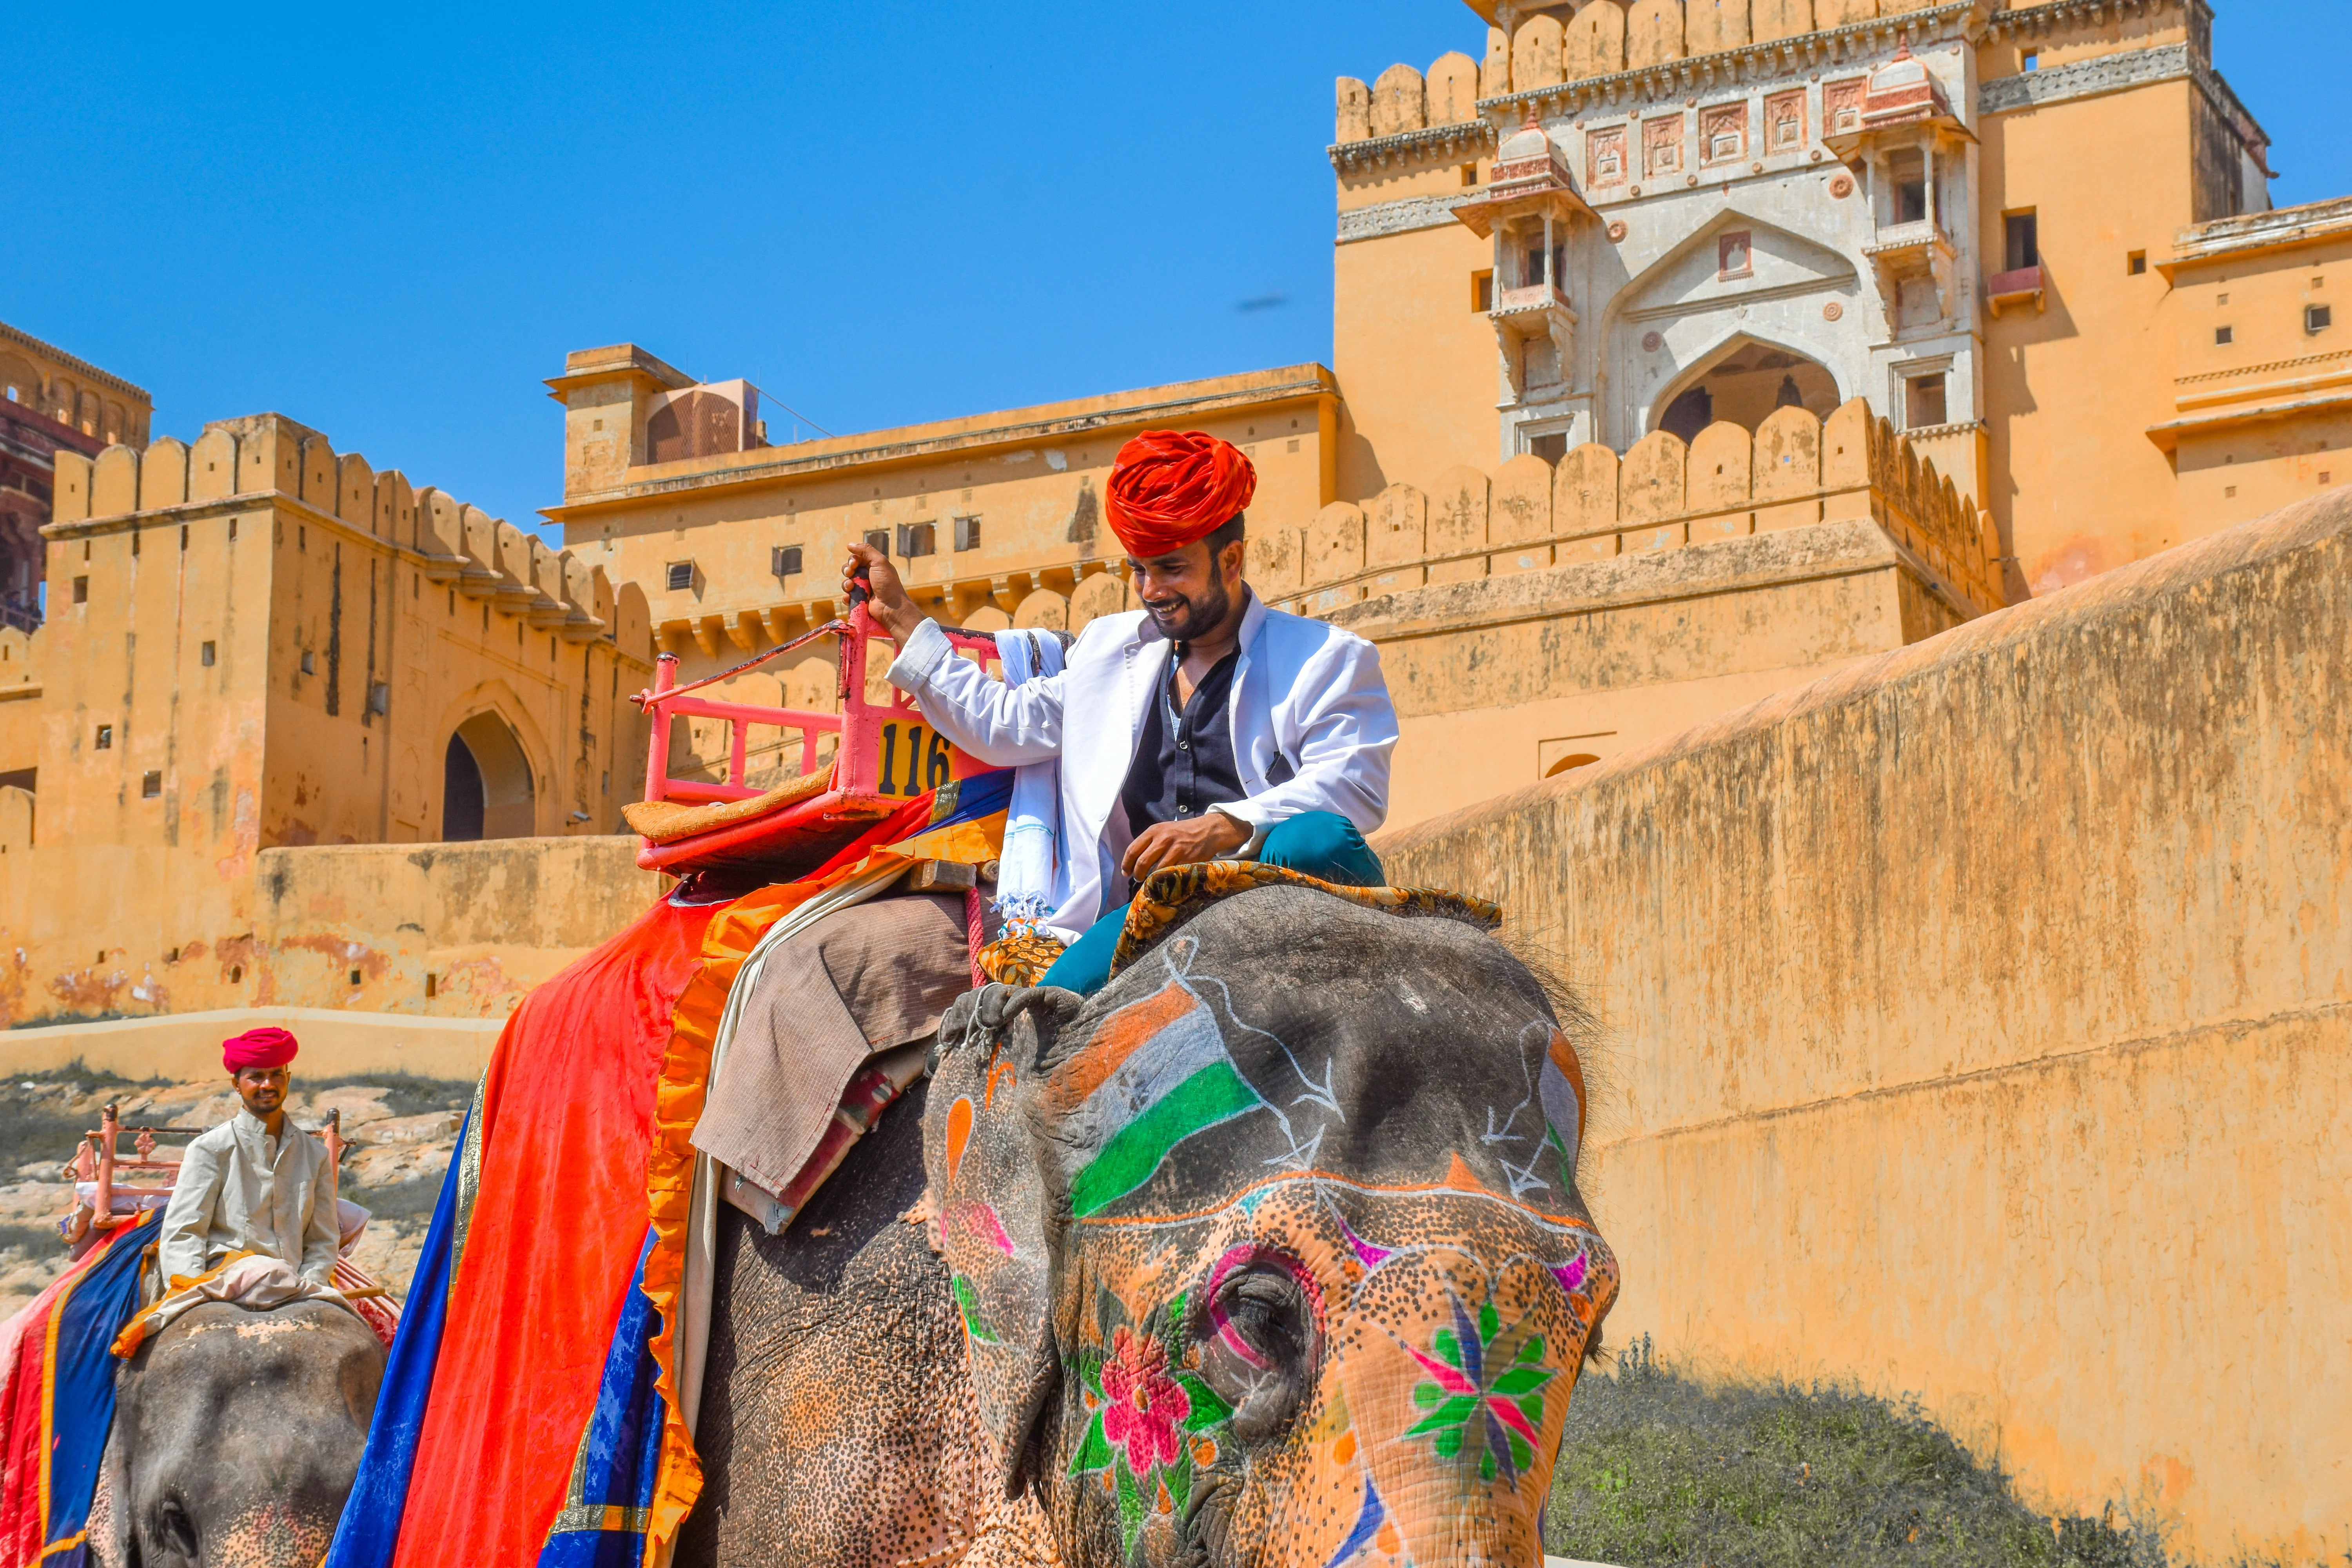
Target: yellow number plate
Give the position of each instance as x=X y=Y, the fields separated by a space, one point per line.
x=910 y=758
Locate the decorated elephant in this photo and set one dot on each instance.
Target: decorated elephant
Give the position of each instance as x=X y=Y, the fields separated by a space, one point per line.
x=1271 y=1252
x=237 y=1435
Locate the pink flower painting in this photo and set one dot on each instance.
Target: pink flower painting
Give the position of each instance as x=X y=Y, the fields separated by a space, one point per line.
x=1143 y=1407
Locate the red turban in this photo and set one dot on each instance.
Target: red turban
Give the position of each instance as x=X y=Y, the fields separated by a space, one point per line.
x=262 y=1048
x=1168 y=490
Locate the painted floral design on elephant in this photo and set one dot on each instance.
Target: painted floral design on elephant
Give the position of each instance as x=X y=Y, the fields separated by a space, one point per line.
x=1153 y=1423
x=1473 y=1400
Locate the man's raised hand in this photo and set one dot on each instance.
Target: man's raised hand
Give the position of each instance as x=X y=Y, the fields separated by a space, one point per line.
x=890 y=605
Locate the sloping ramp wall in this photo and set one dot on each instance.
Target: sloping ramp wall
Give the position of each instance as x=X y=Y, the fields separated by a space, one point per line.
x=1980 y=1029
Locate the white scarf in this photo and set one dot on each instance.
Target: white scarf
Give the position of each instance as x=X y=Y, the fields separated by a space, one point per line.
x=1032 y=877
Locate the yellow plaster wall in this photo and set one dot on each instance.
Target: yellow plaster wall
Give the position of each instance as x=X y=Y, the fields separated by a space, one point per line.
x=185 y=1047
x=129 y=613
x=2072 y=389
x=264 y=544
x=1982 y=1022
x=181 y=741
x=486 y=921
x=1629 y=599
x=108 y=930
x=2267 y=419
x=1415 y=357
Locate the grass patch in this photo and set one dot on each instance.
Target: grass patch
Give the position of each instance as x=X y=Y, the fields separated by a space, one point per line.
x=35 y=1241
x=400 y=1200
x=1657 y=1470
x=34 y=1127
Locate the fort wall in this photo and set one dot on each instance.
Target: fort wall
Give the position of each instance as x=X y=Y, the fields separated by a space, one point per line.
x=1664 y=494
x=255 y=642
x=1542 y=618
x=1978 y=1021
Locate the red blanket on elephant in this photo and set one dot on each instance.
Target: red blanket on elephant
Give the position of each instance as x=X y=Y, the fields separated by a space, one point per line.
x=549 y=1244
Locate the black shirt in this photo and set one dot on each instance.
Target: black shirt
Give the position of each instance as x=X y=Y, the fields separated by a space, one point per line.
x=1184 y=761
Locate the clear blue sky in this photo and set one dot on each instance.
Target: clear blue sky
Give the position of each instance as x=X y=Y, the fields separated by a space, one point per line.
x=391 y=221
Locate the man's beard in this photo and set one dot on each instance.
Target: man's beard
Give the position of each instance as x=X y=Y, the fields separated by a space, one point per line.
x=1192 y=619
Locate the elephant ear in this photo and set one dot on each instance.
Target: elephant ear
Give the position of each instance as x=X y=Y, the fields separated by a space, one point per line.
x=986 y=1166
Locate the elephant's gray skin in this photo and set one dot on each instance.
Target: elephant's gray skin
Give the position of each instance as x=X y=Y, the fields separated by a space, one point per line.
x=1268 y=1255
x=237 y=1437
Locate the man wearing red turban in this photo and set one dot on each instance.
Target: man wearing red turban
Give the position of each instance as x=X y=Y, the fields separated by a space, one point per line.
x=1202 y=726
x=256 y=1184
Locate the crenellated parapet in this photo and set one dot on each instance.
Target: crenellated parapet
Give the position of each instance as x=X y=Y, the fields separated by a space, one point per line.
x=1793 y=471
x=236 y=461
x=1611 y=51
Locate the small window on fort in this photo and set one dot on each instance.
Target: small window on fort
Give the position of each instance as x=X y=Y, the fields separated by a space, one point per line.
x=2223 y=335
x=207 y=655
x=967 y=534
x=917 y=539
x=1909 y=173
x=678 y=576
x=1735 y=255
x=1531 y=266
x=1551 y=447
x=1482 y=291
x=1469 y=174
x=2022 y=239
x=2137 y=263
x=309 y=662
x=878 y=539
x=81 y=590
x=2030 y=60
x=151 y=783
x=105 y=741
x=1923 y=401
x=2318 y=318
x=785 y=559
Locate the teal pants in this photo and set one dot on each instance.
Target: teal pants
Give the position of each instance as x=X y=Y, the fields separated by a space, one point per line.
x=1319 y=843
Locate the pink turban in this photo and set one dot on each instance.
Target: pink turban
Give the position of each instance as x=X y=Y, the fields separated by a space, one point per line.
x=262 y=1048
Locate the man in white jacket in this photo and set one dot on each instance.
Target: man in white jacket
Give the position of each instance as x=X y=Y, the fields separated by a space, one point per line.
x=1203 y=726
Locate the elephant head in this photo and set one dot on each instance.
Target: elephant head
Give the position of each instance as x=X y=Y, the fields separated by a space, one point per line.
x=237 y=1437
x=1272 y=1253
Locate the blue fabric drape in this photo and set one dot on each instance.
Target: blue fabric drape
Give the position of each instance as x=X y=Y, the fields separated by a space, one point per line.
x=606 y=1507
x=370 y=1527
x=96 y=1308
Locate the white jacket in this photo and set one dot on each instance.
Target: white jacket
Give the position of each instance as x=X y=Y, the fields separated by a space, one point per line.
x=240 y=1190
x=1312 y=728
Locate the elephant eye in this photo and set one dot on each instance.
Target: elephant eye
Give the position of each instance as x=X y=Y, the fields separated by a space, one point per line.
x=1260 y=1314
x=1259 y=1341
x=178 y=1530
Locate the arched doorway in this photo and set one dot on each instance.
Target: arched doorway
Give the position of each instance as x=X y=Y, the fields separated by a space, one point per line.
x=1742 y=384
x=487 y=790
